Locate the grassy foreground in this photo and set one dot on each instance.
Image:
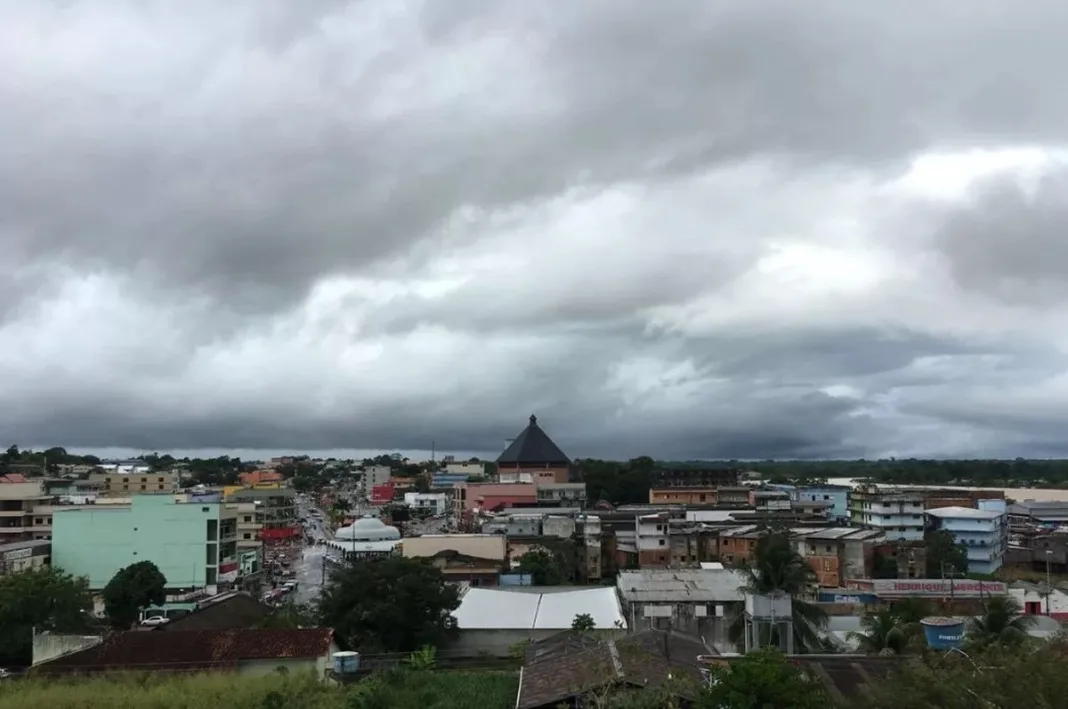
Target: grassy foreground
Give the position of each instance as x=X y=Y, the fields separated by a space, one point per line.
x=409 y=690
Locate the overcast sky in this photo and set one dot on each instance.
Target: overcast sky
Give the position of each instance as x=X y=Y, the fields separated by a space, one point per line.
x=760 y=229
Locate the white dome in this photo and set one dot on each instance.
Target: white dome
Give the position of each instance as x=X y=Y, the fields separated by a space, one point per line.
x=367 y=529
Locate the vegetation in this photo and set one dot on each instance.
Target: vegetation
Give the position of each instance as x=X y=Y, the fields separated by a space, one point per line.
x=1001 y=623
x=551 y=563
x=165 y=691
x=41 y=599
x=583 y=623
x=48 y=460
x=389 y=605
x=424 y=689
x=131 y=590
x=776 y=567
x=945 y=557
x=763 y=679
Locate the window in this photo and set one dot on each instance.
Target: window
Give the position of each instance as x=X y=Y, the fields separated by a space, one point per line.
x=661 y=542
x=246 y=535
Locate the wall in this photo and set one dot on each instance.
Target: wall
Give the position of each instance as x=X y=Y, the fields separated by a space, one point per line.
x=502 y=643
x=48 y=646
x=684 y=618
x=480 y=546
x=97 y=542
x=465 y=468
x=555 y=526
x=261 y=668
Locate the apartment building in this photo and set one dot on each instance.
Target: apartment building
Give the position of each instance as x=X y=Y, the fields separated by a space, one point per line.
x=125 y=484
x=275 y=512
x=896 y=513
x=466 y=468
x=835 y=496
x=23 y=556
x=560 y=494
x=194 y=543
x=983 y=532
x=374 y=476
x=21 y=518
x=249 y=526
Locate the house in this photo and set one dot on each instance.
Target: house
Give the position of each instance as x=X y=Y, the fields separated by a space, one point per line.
x=229 y=611
x=563 y=669
x=477 y=559
x=696 y=602
x=494 y=620
x=250 y=652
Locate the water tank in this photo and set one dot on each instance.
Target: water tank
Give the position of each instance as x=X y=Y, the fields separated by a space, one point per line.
x=943 y=633
x=346 y=662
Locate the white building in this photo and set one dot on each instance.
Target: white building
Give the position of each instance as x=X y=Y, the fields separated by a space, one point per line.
x=436 y=502
x=367 y=536
x=494 y=620
x=896 y=513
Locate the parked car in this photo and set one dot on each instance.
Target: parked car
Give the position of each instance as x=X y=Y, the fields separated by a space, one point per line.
x=155 y=620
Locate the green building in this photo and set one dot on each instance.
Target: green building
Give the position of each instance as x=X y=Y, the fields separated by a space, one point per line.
x=194 y=543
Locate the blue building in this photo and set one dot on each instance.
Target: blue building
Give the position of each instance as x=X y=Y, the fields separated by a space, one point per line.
x=837 y=496
x=983 y=532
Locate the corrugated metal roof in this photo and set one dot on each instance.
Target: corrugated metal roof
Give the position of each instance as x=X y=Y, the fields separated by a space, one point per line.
x=684 y=585
x=499 y=609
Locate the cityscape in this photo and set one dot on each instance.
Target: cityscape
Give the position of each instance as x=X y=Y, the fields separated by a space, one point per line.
x=522 y=561
x=415 y=354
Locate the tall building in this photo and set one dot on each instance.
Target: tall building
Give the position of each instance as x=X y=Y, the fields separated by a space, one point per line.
x=533 y=457
x=275 y=512
x=119 y=483
x=21 y=502
x=896 y=513
x=194 y=543
x=983 y=533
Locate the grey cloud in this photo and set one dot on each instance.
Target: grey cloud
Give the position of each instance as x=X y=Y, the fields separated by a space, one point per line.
x=1009 y=242
x=253 y=185
x=222 y=159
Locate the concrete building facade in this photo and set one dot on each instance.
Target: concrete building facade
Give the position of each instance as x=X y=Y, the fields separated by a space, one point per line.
x=20 y=520
x=193 y=543
x=984 y=533
x=896 y=513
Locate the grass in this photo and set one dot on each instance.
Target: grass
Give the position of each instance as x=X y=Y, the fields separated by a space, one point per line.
x=440 y=689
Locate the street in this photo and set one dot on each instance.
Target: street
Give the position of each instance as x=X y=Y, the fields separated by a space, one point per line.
x=310 y=569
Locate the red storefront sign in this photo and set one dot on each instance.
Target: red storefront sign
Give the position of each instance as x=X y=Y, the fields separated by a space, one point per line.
x=382 y=494
x=277 y=533
x=228 y=572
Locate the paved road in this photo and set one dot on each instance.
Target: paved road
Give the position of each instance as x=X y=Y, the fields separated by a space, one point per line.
x=310 y=569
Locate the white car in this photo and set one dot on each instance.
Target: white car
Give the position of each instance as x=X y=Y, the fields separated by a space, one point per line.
x=155 y=620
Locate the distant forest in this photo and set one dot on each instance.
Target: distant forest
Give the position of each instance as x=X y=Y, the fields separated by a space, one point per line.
x=629 y=482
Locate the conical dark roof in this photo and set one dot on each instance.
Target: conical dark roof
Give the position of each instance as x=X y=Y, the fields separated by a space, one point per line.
x=533 y=447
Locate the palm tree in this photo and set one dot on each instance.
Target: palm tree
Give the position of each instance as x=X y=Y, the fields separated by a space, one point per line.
x=881 y=633
x=776 y=567
x=1002 y=623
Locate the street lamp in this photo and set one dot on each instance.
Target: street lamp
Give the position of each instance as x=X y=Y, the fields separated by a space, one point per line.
x=1049 y=585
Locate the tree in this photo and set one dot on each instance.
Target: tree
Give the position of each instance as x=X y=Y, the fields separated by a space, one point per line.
x=131 y=590
x=761 y=679
x=776 y=567
x=944 y=555
x=40 y=599
x=583 y=623
x=1002 y=622
x=551 y=563
x=880 y=634
x=389 y=605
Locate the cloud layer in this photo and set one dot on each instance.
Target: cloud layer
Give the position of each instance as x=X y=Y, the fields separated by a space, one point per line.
x=753 y=230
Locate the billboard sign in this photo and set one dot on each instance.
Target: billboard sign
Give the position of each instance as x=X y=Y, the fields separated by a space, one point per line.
x=382 y=494
x=958 y=588
x=228 y=572
x=943 y=633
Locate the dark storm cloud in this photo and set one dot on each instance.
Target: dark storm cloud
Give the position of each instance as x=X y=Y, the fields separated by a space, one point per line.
x=249 y=161
x=221 y=160
x=1009 y=240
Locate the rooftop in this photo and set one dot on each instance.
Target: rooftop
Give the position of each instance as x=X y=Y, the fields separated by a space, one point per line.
x=533 y=447
x=192 y=649
x=681 y=586
x=537 y=609
x=18 y=546
x=962 y=513
x=569 y=664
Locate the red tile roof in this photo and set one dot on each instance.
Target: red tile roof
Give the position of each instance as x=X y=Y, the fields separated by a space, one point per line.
x=13 y=478
x=193 y=649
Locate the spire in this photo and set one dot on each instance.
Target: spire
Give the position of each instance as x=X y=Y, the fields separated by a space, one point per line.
x=533 y=420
